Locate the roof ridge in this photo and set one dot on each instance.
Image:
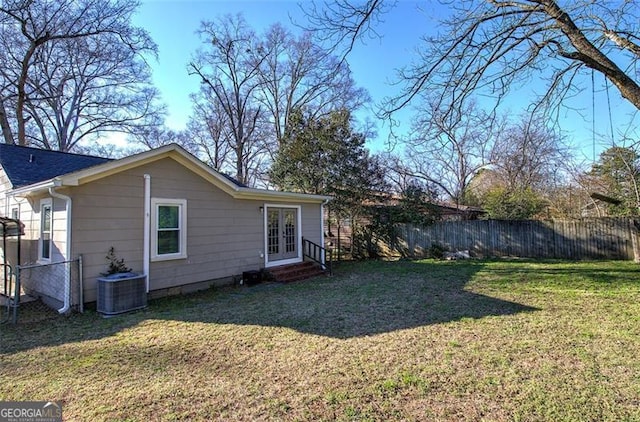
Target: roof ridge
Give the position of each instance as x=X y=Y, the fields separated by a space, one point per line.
x=27 y=165
x=53 y=151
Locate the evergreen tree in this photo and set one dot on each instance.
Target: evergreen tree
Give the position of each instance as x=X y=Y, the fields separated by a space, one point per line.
x=618 y=175
x=326 y=156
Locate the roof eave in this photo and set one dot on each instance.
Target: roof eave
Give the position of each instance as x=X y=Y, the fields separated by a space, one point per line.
x=177 y=153
x=35 y=188
x=115 y=166
x=269 y=195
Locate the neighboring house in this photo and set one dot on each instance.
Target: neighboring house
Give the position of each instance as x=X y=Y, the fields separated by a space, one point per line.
x=165 y=212
x=452 y=212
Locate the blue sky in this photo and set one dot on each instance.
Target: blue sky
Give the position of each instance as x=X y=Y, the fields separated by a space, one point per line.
x=172 y=25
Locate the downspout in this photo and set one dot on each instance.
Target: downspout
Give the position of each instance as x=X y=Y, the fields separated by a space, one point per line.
x=67 y=276
x=147 y=229
x=324 y=257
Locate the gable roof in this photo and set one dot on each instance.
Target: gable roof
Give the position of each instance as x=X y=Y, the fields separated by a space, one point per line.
x=109 y=167
x=26 y=166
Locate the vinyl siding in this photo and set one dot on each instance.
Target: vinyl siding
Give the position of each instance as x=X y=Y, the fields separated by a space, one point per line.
x=29 y=214
x=58 y=230
x=5 y=185
x=44 y=282
x=225 y=236
x=107 y=213
x=311 y=229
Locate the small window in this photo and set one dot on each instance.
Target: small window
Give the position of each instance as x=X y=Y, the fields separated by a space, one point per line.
x=15 y=213
x=46 y=224
x=169 y=235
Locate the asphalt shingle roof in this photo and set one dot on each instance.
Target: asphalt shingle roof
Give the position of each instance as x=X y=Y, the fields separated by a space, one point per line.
x=232 y=180
x=25 y=166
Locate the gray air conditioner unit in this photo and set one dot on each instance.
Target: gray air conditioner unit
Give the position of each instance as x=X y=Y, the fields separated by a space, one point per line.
x=121 y=292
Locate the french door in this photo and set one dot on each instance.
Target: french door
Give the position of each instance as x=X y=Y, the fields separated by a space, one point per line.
x=282 y=234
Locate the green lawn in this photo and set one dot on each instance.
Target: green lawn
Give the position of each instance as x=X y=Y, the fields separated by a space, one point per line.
x=422 y=340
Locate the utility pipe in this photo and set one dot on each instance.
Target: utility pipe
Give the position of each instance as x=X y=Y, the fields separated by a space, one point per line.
x=147 y=229
x=67 y=275
x=323 y=258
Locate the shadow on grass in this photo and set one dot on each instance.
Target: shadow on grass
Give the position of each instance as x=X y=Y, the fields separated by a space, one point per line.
x=34 y=330
x=362 y=299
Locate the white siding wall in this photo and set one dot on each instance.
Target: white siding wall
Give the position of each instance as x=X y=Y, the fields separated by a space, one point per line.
x=47 y=281
x=311 y=223
x=59 y=231
x=5 y=186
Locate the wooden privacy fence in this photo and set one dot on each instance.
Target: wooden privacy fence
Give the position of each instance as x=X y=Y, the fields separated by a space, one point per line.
x=588 y=238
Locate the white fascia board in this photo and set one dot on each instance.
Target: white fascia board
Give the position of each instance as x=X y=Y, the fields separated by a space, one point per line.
x=263 y=194
x=182 y=156
x=34 y=188
x=115 y=166
x=173 y=151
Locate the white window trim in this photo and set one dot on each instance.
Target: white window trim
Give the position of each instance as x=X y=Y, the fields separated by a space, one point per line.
x=182 y=220
x=298 y=258
x=44 y=202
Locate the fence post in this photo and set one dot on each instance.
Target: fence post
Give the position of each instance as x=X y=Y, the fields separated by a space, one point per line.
x=633 y=231
x=16 y=296
x=80 y=285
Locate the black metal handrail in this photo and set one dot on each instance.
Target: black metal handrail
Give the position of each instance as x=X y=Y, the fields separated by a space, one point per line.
x=318 y=254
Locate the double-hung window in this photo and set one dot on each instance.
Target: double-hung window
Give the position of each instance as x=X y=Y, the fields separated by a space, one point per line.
x=169 y=229
x=46 y=225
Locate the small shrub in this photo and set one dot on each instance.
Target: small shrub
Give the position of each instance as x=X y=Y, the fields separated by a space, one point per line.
x=115 y=264
x=436 y=251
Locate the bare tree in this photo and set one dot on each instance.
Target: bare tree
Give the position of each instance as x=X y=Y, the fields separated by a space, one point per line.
x=526 y=173
x=67 y=65
x=85 y=87
x=341 y=22
x=158 y=135
x=529 y=155
x=570 y=200
x=209 y=130
x=450 y=148
x=250 y=86
x=398 y=175
x=228 y=67
x=493 y=46
x=299 y=74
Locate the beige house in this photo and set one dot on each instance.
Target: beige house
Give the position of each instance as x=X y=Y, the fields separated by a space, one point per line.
x=165 y=212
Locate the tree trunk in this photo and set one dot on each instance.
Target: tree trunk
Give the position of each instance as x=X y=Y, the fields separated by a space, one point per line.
x=591 y=56
x=240 y=175
x=4 y=125
x=22 y=92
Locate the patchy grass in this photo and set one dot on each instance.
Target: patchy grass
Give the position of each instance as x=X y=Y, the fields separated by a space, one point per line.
x=423 y=340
